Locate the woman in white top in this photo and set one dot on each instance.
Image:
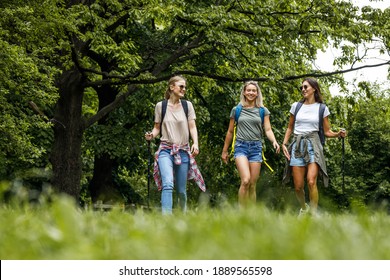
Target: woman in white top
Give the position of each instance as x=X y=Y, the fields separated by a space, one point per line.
x=305 y=153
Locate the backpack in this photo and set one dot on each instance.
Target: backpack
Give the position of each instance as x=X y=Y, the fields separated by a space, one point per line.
x=164 y=106
x=239 y=109
x=236 y=116
x=320 y=120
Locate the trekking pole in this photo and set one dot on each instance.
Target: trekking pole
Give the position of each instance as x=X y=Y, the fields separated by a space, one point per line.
x=343 y=159
x=149 y=173
x=149 y=170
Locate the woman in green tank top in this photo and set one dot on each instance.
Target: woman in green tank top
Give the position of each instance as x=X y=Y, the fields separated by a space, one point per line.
x=248 y=144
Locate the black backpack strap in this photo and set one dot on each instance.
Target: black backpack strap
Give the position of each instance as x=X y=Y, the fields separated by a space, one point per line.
x=184 y=104
x=320 y=120
x=321 y=123
x=297 y=108
x=163 y=109
x=164 y=106
x=299 y=105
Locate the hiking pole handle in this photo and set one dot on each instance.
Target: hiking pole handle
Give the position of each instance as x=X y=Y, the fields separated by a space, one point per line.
x=343 y=143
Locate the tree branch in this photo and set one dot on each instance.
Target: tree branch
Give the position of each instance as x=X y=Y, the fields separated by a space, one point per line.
x=229 y=79
x=120 y=99
x=327 y=74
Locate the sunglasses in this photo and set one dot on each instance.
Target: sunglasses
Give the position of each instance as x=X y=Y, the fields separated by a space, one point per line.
x=304 y=87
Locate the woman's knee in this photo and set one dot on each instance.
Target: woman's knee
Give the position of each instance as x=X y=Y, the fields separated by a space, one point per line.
x=245 y=182
x=182 y=196
x=167 y=188
x=311 y=182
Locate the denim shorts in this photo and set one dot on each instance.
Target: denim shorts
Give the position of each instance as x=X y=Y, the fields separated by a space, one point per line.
x=250 y=149
x=300 y=161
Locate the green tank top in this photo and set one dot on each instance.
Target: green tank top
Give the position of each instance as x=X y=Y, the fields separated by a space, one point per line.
x=249 y=126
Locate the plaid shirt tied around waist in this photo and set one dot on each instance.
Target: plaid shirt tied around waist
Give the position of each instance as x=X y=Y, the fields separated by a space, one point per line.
x=193 y=170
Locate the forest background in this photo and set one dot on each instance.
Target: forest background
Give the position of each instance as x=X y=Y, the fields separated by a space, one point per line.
x=79 y=81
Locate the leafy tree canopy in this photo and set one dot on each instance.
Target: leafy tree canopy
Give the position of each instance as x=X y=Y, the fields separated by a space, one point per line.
x=64 y=55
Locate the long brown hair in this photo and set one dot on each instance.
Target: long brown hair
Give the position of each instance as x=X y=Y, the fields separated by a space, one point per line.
x=172 y=81
x=317 y=91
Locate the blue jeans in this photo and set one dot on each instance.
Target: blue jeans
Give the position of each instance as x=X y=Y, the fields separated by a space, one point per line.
x=170 y=173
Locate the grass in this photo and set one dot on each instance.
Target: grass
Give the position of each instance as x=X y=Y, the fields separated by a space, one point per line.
x=62 y=231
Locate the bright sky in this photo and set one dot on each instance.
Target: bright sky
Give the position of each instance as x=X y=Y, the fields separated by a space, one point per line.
x=377 y=74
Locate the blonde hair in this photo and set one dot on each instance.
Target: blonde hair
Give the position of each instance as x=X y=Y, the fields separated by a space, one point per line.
x=259 y=98
x=173 y=81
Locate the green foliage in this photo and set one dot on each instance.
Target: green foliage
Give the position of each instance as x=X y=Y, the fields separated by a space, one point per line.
x=127 y=48
x=371 y=122
x=365 y=115
x=62 y=231
x=25 y=76
x=25 y=137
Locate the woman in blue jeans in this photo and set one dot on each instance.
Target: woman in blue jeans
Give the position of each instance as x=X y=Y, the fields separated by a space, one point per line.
x=248 y=145
x=174 y=160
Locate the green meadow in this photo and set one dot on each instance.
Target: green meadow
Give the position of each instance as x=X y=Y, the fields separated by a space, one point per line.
x=60 y=230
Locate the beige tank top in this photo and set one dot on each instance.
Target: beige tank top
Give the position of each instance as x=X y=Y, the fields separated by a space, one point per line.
x=174 y=129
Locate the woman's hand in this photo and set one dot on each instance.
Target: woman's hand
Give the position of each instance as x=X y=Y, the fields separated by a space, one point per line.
x=342 y=133
x=194 y=150
x=285 y=151
x=149 y=136
x=225 y=156
x=276 y=147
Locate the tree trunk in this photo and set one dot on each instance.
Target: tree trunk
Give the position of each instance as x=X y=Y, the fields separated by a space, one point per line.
x=68 y=134
x=102 y=185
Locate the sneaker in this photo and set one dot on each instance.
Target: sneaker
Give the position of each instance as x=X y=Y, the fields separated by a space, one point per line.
x=303 y=212
x=315 y=215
